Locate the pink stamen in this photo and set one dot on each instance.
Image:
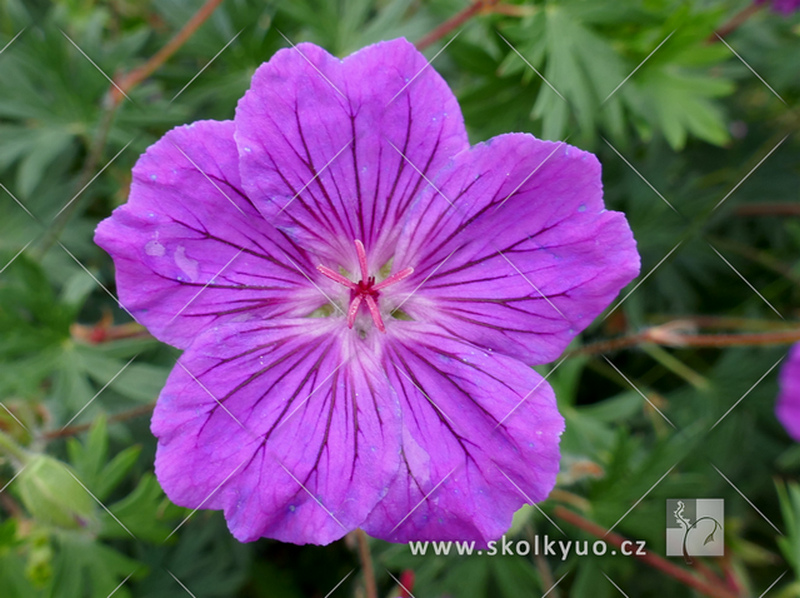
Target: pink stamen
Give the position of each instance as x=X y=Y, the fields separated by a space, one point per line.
x=333 y=275
x=351 y=313
x=396 y=277
x=365 y=290
x=374 y=312
x=362 y=259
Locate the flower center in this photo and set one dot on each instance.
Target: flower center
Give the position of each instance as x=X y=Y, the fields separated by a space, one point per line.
x=366 y=290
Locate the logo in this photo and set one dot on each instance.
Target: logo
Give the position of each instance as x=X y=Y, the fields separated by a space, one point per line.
x=694 y=527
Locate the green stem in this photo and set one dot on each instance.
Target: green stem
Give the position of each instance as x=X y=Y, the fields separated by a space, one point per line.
x=676 y=366
x=11 y=448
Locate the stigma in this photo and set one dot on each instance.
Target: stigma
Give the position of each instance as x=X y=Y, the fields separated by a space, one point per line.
x=366 y=291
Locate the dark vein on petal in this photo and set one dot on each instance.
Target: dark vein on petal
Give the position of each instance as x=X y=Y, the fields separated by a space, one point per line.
x=359 y=198
x=208 y=236
x=375 y=198
x=400 y=168
x=462 y=441
x=317 y=179
x=324 y=443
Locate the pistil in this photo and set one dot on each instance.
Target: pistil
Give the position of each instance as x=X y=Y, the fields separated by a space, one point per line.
x=366 y=290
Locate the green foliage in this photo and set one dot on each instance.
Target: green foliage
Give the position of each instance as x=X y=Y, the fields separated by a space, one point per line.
x=75 y=510
x=789 y=543
x=613 y=71
x=90 y=459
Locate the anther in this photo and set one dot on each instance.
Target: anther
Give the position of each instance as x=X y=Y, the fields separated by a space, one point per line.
x=366 y=290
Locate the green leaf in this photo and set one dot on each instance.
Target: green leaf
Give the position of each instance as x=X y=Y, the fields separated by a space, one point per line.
x=467 y=576
x=141 y=382
x=83 y=567
x=789 y=543
x=680 y=104
x=77 y=289
x=89 y=459
x=616 y=409
x=116 y=470
x=590 y=582
x=213 y=564
x=53 y=495
x=13 y=579
x=48 y=144
x=511 y=574
x=141 y=512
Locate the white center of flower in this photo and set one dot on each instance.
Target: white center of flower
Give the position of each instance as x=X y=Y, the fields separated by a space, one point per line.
x=366 y=290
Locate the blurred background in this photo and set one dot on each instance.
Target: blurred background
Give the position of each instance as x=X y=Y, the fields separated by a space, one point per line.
x=692 y=108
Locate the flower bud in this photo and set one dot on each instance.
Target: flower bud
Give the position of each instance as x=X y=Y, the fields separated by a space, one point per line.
x=52 y=495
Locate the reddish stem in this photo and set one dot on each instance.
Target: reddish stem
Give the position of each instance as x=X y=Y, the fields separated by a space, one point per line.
x=118 y=417
x=768 y=209
x=734 y=23
x=714 y=589
x=370 y=585
x=671 y=335
x=462 y=17
x=137 y=75
x=781 y=337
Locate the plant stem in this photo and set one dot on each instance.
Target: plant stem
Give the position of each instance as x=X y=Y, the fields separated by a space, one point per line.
x=767 y=209
x=735 y=22
x=11 y=448
x=728 y=322
x=459 y=19
x=113 y=100
x=782 y=337
x=137 y=75
x=676 y=334
x=118 y=417
x=366 y=564
x=760 y=257
x=714 y=589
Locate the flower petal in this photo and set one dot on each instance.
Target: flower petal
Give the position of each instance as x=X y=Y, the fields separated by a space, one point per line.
x=335 y=150
x=283 y=425
x=788 y=406
x=189 y=248
x=480 y=438
x=516 y=249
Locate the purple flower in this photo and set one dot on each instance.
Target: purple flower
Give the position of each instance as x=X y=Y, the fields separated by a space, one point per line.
x=788 y=407
x=360 y=295
x=785 y=7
